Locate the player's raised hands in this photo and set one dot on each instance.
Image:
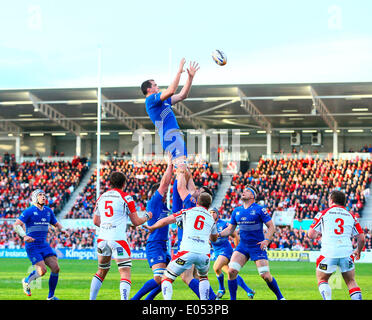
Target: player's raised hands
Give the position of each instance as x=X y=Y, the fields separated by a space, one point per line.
x=194 y=66
x=182 y=63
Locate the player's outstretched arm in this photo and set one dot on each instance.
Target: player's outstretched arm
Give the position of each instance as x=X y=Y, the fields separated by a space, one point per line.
x=167 y=177
x=171 y=90
x=227 y=231
x=182 y=189
x=162 y=223
x=136 y=220
x=184 y=93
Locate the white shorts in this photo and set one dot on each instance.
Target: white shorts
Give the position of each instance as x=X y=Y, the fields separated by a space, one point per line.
x=117 y=249
x=184 y=260
x=329 y=265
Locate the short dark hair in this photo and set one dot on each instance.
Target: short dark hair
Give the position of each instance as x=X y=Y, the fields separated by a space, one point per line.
x=118 y=179
x=338 y=197
x=205 y=200
x=155 y=186
x=146 y=85
x=207 y=190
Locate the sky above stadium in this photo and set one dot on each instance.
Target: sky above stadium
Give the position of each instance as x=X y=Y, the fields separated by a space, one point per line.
x=49 y=44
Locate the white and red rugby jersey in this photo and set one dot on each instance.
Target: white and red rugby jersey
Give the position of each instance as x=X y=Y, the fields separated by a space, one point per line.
x=337 y=226
x=113 y=207
x=198 y=224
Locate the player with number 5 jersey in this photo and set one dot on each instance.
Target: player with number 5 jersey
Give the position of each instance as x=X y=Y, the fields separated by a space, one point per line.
x=111 y=216
x=337 y=226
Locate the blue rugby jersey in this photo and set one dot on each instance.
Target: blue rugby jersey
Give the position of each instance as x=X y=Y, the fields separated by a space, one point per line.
x=222 y=242
x=159 y=211
x=37 y=224
x=250 y=222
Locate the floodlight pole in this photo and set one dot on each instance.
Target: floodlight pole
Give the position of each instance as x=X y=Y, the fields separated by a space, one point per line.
x=99 y=115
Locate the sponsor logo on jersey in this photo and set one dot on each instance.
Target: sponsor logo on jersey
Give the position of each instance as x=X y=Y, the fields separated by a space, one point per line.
x=322 y=266
x=180 y=261
x=120 y=251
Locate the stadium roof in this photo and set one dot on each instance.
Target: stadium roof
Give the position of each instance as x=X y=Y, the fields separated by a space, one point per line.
x=241 y=106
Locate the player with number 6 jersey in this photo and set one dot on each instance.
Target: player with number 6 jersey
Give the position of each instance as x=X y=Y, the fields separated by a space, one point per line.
x=198 y=228
x=111 y=216
x=337 y=226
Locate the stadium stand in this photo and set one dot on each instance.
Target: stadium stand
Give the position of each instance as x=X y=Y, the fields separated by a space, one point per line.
x=57 y=178
x=141 y=175
x=303 y=184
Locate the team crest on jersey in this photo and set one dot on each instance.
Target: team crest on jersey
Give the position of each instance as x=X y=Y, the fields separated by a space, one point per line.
x=35 y=213
x=253 y=212
x=128 y=198
x=193 y=200
x=180 y=261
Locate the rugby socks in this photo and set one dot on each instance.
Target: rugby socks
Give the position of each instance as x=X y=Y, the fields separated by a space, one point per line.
x=194 y=286
x=273 y=285
x=32 y=276
x=146 y=288
x=204 y=287
x=233 y=288
x=95 y=285
x=153 y=293
x=242 y=284
x=167 y=289
x=325 y=290
x=125 y=285
x=53 y=280
x=221 y=284
x=177 y=201
x=355 y=293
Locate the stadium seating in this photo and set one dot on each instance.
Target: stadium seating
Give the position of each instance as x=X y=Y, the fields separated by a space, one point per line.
x=57 y=178
x=141 y=175
x=303 y=184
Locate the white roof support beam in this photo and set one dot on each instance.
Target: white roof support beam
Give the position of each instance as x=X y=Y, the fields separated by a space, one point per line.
x=9 y=127
x=255 y=113
x=120 y=114
x=186 y=113
x=219 y=106
x=323 y=111
x=54 y=115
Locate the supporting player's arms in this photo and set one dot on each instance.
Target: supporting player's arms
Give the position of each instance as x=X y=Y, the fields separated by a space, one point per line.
x=182 y=185
x=19 y=228
x=171 y=90
x=312 y=234
x=184 y=93
x=361 y=240
x=167 y=177
x=162 y=223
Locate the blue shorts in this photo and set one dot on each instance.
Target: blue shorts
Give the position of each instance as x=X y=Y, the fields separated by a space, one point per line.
x=39 y=253
x=252 y=252
x=224 y=251
x=157 y=252
x=173 y=141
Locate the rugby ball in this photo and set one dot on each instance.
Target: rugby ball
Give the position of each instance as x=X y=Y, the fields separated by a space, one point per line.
x=219 y=57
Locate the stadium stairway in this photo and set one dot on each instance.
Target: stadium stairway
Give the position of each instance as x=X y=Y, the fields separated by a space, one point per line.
x=222 y=189
x=366 y=216
x=67 y=207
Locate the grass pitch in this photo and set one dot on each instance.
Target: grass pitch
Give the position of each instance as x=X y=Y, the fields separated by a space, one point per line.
x=296 y=280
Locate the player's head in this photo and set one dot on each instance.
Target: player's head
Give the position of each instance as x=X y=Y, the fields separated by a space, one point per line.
x=204 y=200
x=118 y=180
x=38 y=197
x=214 y=212
x=149 y=86
x=337 y=198
x=249 y=193
x=202 y=190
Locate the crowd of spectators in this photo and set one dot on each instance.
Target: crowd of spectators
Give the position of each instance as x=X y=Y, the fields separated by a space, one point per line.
x=302 y=184
x=140 y=175
x=57 y=178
